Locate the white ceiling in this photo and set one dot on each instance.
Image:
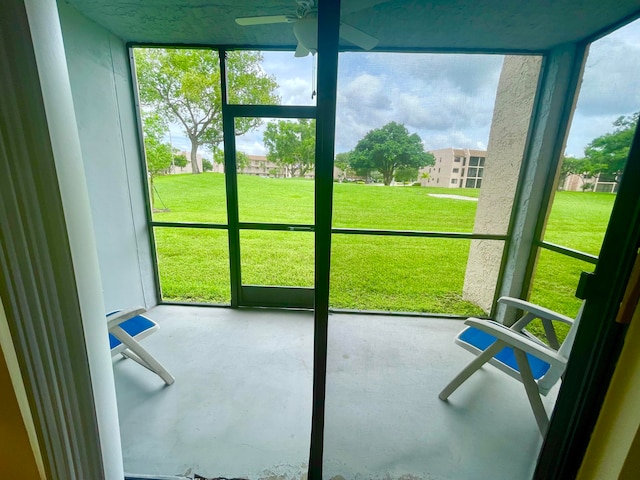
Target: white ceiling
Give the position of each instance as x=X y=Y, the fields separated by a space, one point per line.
x=491 y=25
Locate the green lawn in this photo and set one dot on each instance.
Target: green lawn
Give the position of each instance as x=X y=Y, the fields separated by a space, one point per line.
x=367 y=272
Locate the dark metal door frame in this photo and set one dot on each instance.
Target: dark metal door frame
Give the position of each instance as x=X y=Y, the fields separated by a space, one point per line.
x=255 y=295
x=599 y=339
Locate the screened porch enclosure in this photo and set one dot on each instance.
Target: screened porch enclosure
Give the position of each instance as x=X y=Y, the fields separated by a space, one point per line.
x=308 y=311
x=243 y=234
x=246 y=236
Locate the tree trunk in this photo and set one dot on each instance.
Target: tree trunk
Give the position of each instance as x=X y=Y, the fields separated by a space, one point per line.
x=151 y=197
x=387 y=177
x=194 y=156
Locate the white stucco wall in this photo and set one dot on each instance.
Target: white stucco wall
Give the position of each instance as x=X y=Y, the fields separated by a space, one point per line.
x=103 y=102
x=507 y=140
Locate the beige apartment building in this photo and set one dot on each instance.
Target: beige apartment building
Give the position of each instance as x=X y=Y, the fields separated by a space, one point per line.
x=598 y=183
x=454 y=168
x=260 y=165
x=257 y=165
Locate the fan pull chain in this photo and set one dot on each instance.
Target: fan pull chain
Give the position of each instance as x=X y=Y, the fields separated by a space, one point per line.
x=313 y=77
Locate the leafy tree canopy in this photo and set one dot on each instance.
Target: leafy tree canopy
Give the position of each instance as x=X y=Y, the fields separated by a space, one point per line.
x=218 y=156
x=159 y=155
x=605 y=155
x=242 y=159
x=179 y=160
x=406 y=174
x=342 y=161
x=389 y=148
x=608 y=153
x=291 y=144
x=579 y=166
x=582 y=167
x=183 y=86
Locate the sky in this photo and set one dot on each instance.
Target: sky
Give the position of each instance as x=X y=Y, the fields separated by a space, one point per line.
x=448 y=99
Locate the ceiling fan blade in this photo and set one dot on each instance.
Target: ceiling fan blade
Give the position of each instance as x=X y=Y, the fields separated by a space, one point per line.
x=357 y=37
x=301 y=51
x=244 y=21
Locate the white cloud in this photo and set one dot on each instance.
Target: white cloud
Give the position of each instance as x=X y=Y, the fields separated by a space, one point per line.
x=296 y=91
x=295 y=76
x=437 y=96
x=251 y=142
x=609 y=88
x=448 y=99
x=251 y=147
x=452 y=138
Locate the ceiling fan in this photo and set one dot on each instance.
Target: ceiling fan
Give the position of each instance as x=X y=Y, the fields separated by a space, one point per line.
x=305 y=28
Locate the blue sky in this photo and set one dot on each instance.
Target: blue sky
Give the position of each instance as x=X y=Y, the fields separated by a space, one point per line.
x=448 y=99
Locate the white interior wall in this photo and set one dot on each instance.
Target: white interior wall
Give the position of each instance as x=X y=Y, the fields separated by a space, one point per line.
x=104 y=106
x=50 y=283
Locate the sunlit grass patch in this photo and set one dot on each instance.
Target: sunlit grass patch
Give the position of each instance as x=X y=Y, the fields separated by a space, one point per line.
x=367 y=272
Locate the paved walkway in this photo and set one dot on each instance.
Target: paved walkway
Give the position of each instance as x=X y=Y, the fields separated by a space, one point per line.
x=455 y=197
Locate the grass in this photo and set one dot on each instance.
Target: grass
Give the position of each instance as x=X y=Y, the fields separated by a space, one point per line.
x=367 y=272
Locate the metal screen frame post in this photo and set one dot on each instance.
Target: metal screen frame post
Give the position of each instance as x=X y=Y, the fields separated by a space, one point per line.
x=328 y=34
x=231 y=183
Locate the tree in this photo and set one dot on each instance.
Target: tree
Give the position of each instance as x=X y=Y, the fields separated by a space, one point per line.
x=218 y=156
x=183 y=86
x=389 y=148
x=158 y=154
x=605 y=155
x=582 y=167
x=242 y=159
x=406 y=174
x=587 y=186
x=608 y=153
x=342 y=162
x=179 y=160
x=291 y=145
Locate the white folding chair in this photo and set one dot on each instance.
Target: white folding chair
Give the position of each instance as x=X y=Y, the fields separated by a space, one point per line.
x=126 y=328
x=518 y=353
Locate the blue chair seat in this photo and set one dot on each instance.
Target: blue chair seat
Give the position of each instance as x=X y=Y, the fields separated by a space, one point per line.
x=482 y=340
x=134 y=326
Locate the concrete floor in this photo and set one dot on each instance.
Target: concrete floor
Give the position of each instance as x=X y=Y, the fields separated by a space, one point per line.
x=241 y=403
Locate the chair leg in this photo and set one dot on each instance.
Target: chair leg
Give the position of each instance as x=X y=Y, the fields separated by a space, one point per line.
x=533 y=393
x=132 y=355
x=144 y=358
x=467 y=371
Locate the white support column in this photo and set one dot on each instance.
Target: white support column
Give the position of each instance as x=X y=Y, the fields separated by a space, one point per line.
x=560 y=77
x=49 y=277
x=507 y=142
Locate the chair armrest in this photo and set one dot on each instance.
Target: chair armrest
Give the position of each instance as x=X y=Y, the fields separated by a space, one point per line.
x=537 y=310
x=122 y=316
x=517 y=340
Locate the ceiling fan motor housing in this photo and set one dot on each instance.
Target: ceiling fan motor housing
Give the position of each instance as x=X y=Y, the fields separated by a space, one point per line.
x=306 y=31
